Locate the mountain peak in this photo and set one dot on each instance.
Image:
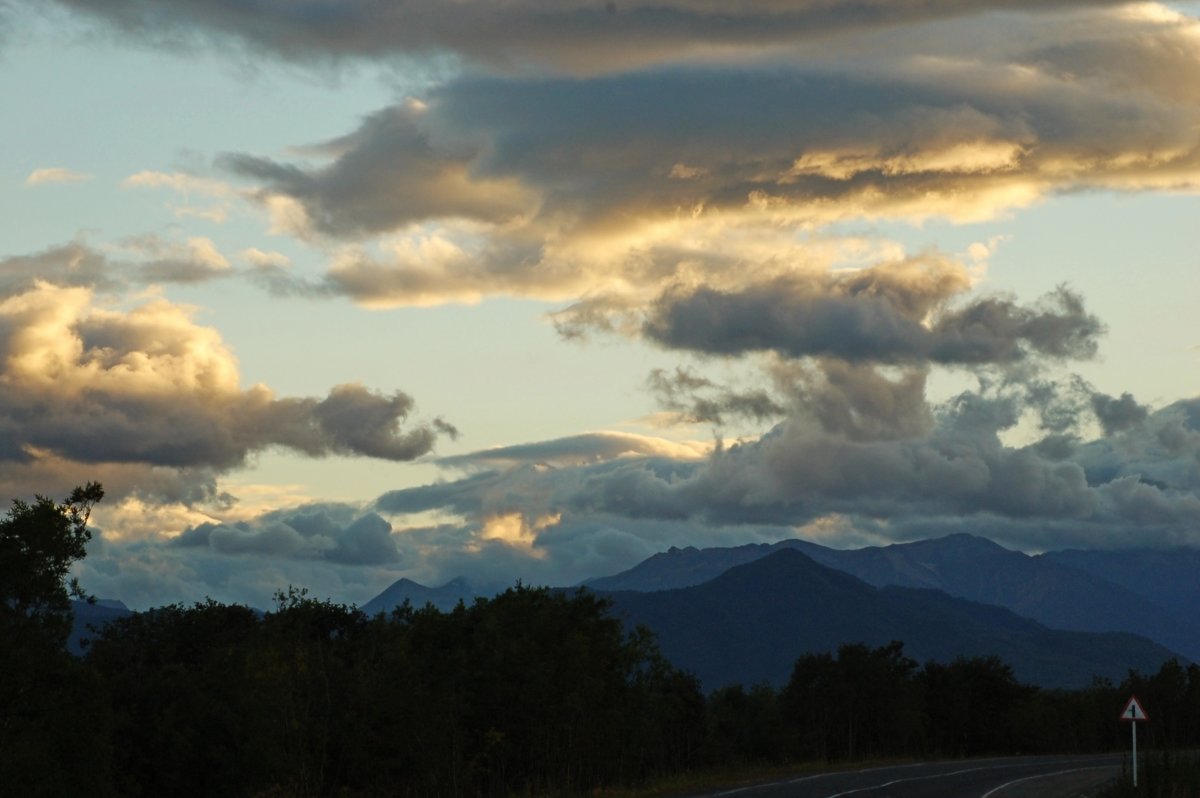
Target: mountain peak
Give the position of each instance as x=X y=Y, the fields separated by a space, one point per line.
x=951 y=547
x=404 y=589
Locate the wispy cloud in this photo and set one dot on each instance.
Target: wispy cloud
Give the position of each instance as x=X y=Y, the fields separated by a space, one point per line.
x=220 y=195
x=55 y=174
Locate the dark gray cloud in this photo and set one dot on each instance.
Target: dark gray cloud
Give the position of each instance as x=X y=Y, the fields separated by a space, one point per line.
x=859 y=317
x=354 y=420
x=857 y=401
x=73 y=264
x=336 y=533
x=590 y=447
x=696 y=399
x=1130 y=489
x=655 y=142
x=80 y=265
x=572 y=188
x=391 y=172
x=559 y=512
x=210 y=430
x=577 y=35
x=1117 y=414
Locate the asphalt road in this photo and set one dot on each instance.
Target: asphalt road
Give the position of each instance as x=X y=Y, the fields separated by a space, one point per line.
x=1015 y=777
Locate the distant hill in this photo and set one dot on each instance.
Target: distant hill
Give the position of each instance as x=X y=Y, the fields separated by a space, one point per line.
x=90 y=618
x=750 y=624
x=445 y=598
x=1058 y=591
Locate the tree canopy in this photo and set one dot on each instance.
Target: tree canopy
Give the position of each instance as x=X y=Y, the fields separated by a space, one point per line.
x=39 y=542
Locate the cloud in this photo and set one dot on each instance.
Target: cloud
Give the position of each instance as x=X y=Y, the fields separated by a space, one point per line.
x=194 y=261
x=695 y=399
x=618 y=186
x=578 y=450
x=1136 y=487
x=266 y=259
x=336 y=533
x=148 y=260
x=55 y=174
x=1118 y=414
x=93 y=384
x=677 y=171
x=250 y=561
x=182 y=182
x=560 y=511
x=857 y=401
x=73 y=264
x=860 y=317
x=389 y=173
x=576 y=35
x=220 y=195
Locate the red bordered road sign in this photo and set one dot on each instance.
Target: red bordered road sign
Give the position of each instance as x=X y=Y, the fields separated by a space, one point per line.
x=1133 y=711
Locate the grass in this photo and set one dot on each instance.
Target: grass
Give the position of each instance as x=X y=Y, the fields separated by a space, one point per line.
x=1161 y=774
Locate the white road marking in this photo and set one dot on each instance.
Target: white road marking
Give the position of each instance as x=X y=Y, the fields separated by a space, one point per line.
x=914 y=778
x=995 y=790
x=999 y=764
x=814 y=777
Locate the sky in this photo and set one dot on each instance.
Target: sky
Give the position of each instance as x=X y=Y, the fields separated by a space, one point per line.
x=328 y=294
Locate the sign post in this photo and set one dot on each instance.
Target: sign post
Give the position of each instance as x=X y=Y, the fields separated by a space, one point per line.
x=1134 y=714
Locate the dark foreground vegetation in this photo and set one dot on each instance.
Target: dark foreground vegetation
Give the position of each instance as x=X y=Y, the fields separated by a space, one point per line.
x=533 y=692
x=1161 y=774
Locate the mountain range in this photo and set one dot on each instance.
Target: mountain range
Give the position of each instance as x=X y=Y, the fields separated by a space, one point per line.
x=745 y=613
x=750 y=624
x=1145 y=592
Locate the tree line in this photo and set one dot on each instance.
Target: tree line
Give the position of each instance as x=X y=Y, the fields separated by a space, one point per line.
x=533 y=692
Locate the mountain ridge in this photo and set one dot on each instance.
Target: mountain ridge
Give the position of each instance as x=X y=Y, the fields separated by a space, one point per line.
x=751 y=623
x=1044 y=588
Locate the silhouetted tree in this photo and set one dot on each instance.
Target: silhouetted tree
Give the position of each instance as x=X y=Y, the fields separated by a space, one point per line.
x=862 y=703
x=971 y=704
x=53 y=730
x=39 y=543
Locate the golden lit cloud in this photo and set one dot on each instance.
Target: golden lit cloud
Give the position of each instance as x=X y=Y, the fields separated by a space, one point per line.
x=102 y=384
x=180 y=182
x=131 y=519
x=515 y=530
x=265 y=259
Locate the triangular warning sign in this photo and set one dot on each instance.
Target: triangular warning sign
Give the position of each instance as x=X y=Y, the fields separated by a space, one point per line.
x=1133 y=711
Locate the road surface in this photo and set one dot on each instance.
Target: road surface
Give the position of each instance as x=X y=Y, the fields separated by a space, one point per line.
x=1015 y=777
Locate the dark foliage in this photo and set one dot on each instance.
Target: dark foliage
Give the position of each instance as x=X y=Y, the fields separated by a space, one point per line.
x=53 y=724
x=529 y=692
